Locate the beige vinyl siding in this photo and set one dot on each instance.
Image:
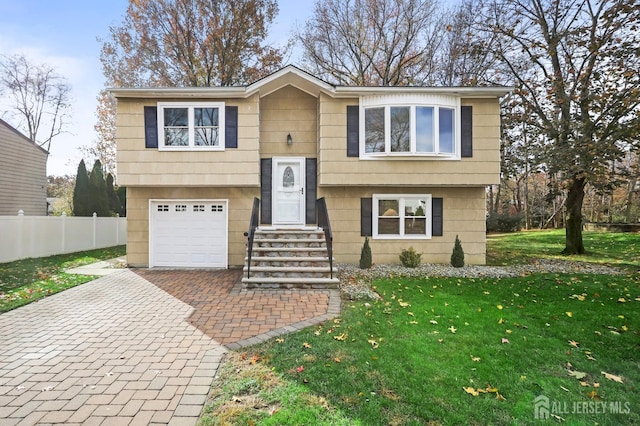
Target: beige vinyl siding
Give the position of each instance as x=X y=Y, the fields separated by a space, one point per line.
x=23 y=175
x=240 y=203
x=335 y=168
x=288 y=111
x=140 y=166
x=463 y=215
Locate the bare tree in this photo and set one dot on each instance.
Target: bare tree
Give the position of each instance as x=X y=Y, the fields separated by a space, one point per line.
x=372 y=42
x=40 y=97
x=574 y=63
x=191 y=43
x=104 y=147
x=464 y=54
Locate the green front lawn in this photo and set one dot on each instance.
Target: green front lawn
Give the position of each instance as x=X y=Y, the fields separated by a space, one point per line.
x=615 y=249
x=25 y=281
x=457 y=351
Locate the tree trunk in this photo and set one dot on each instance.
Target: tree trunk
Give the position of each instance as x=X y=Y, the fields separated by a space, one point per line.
x=575 y=197
x=627 y=212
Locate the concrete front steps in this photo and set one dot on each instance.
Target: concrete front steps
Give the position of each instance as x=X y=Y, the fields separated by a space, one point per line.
x=289 y=259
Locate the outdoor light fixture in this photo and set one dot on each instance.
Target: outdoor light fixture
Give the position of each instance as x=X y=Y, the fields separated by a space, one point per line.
x=289 y=140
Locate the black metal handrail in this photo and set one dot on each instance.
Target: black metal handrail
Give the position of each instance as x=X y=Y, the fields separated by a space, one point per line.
x=253 y=225
x=323 y=222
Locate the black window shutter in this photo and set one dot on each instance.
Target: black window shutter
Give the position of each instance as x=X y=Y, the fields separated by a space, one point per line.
x=231 y=127
x=436 y=217
x=366 y=211
x=150 y=127
x=265 y=191
x=353 y=131
x=310 y=187
x=466 y=133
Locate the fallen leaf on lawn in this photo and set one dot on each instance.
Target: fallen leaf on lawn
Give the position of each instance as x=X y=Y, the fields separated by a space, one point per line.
x=306 y=345
x=300 y=369
x=402 y=304
x=569 y=314
x=279 y=340
x=374 y=344
x=440 y=340
x=485 y=292
x=434 y=322
x=410 y=314
x=577 y=374
x=475 y=358
x=254 y=359
x=624 y=328
x=573 y=343
x=500 y=397
x=622 y=300
x=492 y=390
x=337 y=360
x=584 y=384
x=413 y=322
x=590 y=358
x=598 y=333
x=509 y=331
x=612 y=377
x=523 y=378
x=596 y=385
x=471 y=391
x=499 y=307
x=614 y=332
x=453 y=329
x=243 y=356
x=593 y=395
x=500 y=321
x=505 y=340
x=341 y=337
x=317 y=332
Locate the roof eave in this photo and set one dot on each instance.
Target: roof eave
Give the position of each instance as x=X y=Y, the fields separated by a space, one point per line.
x=466 y=92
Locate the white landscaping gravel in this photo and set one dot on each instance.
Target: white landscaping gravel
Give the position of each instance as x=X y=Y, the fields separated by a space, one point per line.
x=355 y=283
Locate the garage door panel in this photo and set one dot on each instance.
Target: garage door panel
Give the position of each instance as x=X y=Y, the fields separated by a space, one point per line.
x=188 y=233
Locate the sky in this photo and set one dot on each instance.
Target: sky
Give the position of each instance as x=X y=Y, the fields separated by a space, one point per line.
x=64 y=34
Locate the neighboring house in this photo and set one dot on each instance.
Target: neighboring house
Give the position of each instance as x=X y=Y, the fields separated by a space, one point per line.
x=23 y=174
x=406 y=166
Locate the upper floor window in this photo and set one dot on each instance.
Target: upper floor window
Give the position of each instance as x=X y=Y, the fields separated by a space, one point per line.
x=191 y=126
x=410 y=125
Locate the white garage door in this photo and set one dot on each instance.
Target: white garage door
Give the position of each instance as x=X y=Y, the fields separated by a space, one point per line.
x=188 y=233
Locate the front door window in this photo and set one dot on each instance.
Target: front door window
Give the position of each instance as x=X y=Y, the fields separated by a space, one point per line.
x=288 y=191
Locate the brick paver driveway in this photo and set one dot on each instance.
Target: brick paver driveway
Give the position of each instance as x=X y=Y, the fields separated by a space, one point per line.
x=137 y=348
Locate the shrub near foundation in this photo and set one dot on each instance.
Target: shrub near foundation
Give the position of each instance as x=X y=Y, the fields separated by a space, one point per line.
x=457 y=257
x=410 y=258
x=365 y=255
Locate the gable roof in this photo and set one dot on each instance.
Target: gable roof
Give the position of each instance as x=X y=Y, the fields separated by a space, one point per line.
x=22 y=136
x=297 y=77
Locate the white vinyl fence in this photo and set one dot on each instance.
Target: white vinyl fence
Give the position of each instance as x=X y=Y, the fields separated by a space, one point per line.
x=22 y=236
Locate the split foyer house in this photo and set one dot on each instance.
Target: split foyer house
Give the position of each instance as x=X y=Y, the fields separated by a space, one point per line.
x=23 y=174
x=406 y=166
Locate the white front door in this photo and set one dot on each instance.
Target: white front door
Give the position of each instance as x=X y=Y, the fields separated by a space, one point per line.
x=288 y=191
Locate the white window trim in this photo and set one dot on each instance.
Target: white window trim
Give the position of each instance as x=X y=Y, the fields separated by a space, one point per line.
x=411 y=101
x=401 y=203
x=191 y=106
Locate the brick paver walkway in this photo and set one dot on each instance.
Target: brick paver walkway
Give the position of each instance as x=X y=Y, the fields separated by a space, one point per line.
x=120 y=350
x=238 y=317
